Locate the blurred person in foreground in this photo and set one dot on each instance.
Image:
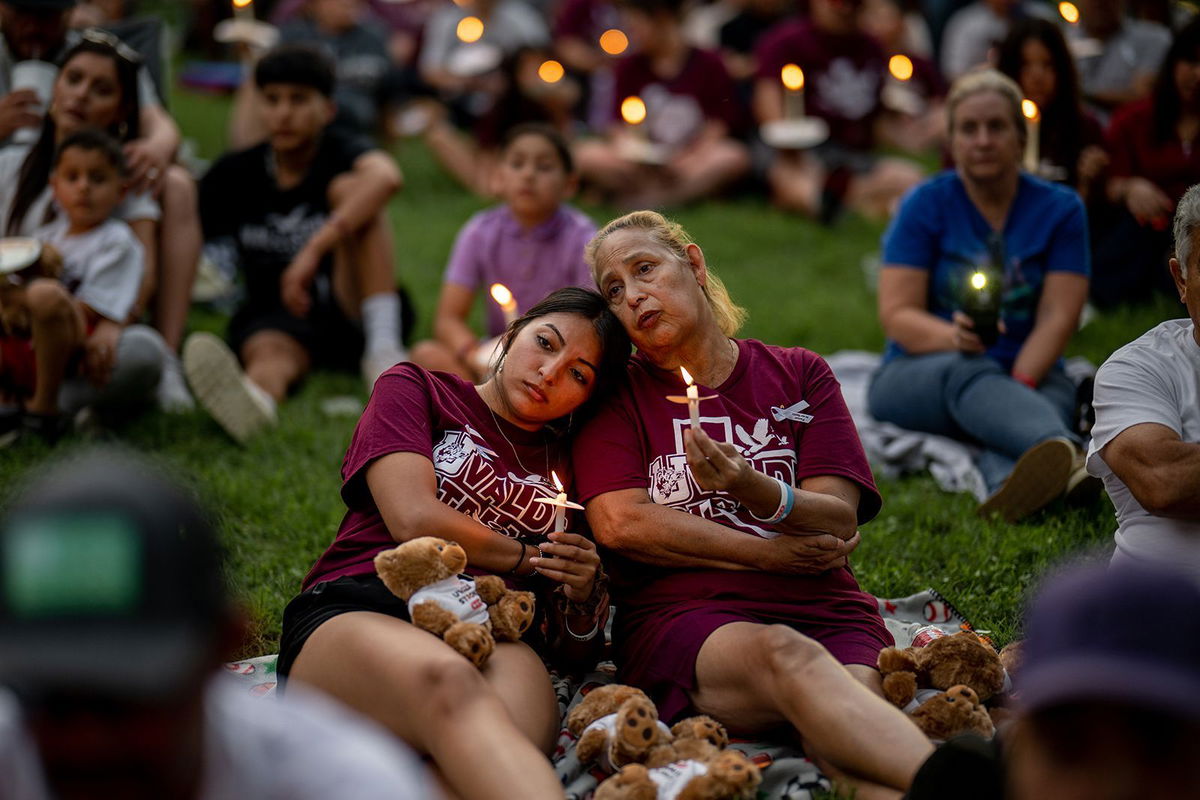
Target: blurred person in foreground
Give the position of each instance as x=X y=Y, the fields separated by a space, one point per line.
x=1146 y=440
x=1107 y=703
x=114 y=622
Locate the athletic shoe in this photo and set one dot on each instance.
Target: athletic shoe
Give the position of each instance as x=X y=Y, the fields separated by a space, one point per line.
x=1082 y=487
x=237 y=404
x=379 y=361
x=172 y=394
x=1039 y=477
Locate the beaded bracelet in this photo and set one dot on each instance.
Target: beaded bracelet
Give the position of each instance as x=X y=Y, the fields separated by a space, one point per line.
x=787 y=500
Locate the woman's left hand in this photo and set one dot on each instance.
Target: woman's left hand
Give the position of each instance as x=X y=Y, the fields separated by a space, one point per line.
x=716 y=466
x=147 y=168
x=571 y=560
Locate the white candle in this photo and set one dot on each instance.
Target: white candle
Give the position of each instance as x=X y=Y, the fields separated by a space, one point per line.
x=243 y=9
x=793 y=91
x=508 y=304
x=560 y=503
x=1032 y=125
x=693 y=399
x=633 y=111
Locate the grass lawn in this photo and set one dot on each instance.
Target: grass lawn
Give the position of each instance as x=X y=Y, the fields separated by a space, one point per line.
x=277 y=500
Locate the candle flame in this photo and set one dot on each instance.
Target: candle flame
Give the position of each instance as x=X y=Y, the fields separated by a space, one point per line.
x=633 y=110
x=501 y=294
x=551 y=71
x=901 y=67
x=687 y=376
x=613 y=42
x=470 y=29
x=792 y=76
x=979 y=280
x=1029 y=109
x=241 y=3
x=1069 y=11
x=557 y=482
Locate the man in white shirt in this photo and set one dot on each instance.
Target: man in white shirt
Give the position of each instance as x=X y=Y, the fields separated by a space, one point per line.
x=114 y=622
x=1146 y=441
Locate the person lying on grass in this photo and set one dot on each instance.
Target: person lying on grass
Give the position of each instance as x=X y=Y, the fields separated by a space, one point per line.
x=435 y=454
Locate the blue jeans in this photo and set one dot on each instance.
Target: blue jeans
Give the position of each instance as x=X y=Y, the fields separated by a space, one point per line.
x=974 y=399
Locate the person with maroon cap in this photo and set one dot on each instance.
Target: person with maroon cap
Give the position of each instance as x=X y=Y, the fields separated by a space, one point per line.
x=729 y=537
x=1107 y=697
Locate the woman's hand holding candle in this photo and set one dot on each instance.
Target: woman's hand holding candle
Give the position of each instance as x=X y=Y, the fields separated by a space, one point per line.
x=569 y=559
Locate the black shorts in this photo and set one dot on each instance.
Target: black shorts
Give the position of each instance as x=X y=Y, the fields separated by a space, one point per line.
x=332 y=339
x=324 y=601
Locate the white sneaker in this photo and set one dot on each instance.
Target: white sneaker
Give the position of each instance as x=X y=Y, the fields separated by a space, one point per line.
x=237 y=404
x=380 y=360
x=173 y=395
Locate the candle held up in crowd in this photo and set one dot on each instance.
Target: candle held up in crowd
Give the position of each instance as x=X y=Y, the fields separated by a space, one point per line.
x=1032 y=131
x=504 y=298
x=614 y=42
x=469 y=30
x=793 y=91
x=900 y=67
x=1069 y=12
x=633 y=111
x=243 y=9
x=560 y=503
x=693 y=398
x=551 y=71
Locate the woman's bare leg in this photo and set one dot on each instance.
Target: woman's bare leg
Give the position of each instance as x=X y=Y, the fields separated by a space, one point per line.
x=275 y=361
x=523 y=685
x=752 y=677
x=432 y=698
x=180 y=241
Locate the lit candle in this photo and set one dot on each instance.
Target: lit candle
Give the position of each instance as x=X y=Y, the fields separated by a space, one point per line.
x=508 y=304
x=793 y=97
x=551 y=71
x=1032 y=120
x=1069 y=12
x=470 y=29
x=613 y=42
x=560 y=503
x=901 y=67
x=633 y=111
x=243 y=9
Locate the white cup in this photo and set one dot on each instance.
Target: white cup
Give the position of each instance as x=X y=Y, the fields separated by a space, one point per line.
x=38 y=76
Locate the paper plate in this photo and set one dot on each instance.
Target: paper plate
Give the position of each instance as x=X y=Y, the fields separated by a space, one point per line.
x=902 y=98
x=253 y=32
x=642 y=151
x=1085 y=47
x=474 y=59
x=795 y=134
x=17 y=253
x=682 y=398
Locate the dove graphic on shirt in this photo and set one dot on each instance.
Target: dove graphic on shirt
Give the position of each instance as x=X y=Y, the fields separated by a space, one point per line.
x=760 y=438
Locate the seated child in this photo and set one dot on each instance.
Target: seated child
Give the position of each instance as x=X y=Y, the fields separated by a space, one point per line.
x=532 y=244
x=302 y=218
x=65 y=345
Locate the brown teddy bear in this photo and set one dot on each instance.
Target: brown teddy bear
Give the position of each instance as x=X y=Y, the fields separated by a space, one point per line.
x=954 y=711
x=727 y=775
x=616 y=725
x=470 y=615
x=962 y=658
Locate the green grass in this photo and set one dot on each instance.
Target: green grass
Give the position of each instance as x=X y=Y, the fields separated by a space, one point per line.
x=277 y=500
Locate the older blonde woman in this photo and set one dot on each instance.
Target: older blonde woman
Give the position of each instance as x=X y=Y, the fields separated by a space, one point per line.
x=730 y=541
x=1012 y=397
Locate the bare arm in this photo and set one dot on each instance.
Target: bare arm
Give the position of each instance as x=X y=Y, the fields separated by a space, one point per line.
x=767 y=101
x=630 y=523
x=1063 y=296
x=1161 y=470
x=404 y=487
x=903 y=312
x=450 y=321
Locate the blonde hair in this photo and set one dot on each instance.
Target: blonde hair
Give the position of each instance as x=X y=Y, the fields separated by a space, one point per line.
x=986 y=80
x=729 y=315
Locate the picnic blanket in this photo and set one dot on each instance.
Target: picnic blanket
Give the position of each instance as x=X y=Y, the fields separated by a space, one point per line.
x=787 y=774
x=895 y=451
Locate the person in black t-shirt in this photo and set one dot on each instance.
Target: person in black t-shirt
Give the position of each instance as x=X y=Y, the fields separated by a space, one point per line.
x=302 y=217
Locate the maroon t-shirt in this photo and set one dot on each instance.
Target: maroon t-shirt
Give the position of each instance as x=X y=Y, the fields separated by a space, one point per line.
x=843 y=77
x=678 y=106
x=781 y=407
x=1134 y=150
x=585 y=19
x=479 y=471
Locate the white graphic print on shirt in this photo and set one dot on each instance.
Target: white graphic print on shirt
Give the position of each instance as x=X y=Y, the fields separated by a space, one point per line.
x=456 y=595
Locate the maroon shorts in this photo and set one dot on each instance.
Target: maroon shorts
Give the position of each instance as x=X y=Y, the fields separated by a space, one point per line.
x=18 y=365
x=659 y=633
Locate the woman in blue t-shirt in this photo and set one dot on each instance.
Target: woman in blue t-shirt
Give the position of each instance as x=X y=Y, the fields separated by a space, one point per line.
x=987 y=227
